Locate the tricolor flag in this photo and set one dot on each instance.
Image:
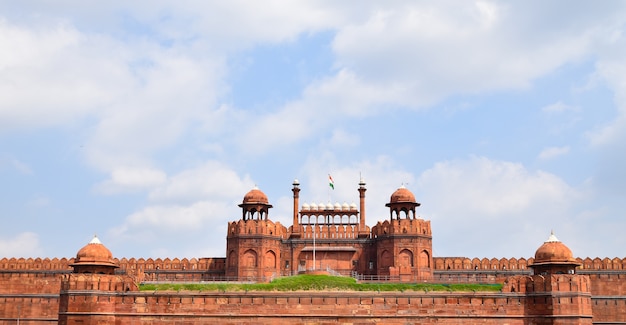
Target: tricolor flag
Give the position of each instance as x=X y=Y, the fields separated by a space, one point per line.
x=331 y=182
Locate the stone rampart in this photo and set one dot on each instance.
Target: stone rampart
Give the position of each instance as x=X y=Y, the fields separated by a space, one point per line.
x=297 y=307
x=32 y=297
x=465 y=263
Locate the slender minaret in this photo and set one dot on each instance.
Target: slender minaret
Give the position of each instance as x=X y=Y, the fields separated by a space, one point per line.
x=362 y=190
x=296 y=204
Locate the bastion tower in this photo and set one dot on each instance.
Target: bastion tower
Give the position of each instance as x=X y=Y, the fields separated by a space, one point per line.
x=93 y=276
x=404 y=242
x=253 y=243
x=555 y=293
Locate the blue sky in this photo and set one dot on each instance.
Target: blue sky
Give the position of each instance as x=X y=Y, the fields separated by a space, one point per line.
x=147 y=122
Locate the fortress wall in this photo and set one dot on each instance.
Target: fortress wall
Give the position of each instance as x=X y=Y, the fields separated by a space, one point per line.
x=31 y=297
x=29 y=283
x=97 y=282
x=35 y=264
x=296 y=307
x=216 y=264
x=607 y=284
x=465 y=263
x=608 y=297
x=609 y=309
x=29 y=309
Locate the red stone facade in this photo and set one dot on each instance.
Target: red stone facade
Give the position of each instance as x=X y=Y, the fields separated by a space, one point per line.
x=552 y=287
x=332 y=237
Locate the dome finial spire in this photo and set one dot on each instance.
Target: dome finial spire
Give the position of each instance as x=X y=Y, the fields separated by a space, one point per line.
x=552 y=238
x=95 y=240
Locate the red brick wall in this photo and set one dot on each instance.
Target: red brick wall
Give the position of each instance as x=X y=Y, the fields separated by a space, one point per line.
x=300 y=308
x=102 y=299
x=29 y=296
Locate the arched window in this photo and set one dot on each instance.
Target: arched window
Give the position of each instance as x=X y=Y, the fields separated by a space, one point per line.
x=424 y=259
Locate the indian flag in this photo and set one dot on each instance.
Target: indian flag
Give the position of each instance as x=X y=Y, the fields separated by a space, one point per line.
x=331 y=182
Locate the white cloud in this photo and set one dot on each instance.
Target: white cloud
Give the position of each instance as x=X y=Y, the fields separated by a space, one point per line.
x=414 y=55
x=131 y=179
x=340 y=97
x=9 y=162
x=479 y=203
x=210 y=180
x=613 y=71
x=25 y=244
x=553 y=152
x=341 y=138
x=147 y=85
x=160 y=229
x=178 y=93
x=55 y=75
x=420 y=46
x=196 y=201
x=382 y=175
x=173 y=217
x=558 y=107
x=489 y=188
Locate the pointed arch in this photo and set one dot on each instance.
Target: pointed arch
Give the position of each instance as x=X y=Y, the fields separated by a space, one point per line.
x=424 y=259
x=405 y=258
x=386 y=259
x=250 y=258
x=232 y=258
x=270 y=259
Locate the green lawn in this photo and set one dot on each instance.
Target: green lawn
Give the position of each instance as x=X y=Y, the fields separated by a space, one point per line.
x=319 y=283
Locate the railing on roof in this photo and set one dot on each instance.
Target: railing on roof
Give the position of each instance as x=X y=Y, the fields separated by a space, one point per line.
x=436 y=278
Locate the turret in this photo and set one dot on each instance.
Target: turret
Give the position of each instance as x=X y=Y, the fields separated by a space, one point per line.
x=94 y=258
x=402 y=201
x=553 y=257
x=255 y=205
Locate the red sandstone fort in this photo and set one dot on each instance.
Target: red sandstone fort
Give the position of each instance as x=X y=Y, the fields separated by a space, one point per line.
x=552 y=287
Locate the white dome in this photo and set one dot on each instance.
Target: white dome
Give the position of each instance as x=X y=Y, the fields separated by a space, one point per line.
x=337 y=206
x=345 y=206
x=305 y=207
x=353 y=206
x=313 y=206
x=321 y=206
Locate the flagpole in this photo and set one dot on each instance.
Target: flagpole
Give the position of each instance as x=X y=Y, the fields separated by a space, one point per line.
x=314 y=226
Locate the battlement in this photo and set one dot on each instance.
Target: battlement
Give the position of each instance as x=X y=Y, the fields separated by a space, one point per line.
x=98 y=282
x=256 y=227
x=35 y=263
x=184 y=264
x=560 y=283
x=402 y=227
x=465 y=263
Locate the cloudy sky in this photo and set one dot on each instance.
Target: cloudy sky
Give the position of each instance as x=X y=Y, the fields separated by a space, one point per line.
x=146 y=122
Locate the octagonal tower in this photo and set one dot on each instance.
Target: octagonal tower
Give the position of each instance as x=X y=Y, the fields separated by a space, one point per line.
x=404 y=242
x=253 y=243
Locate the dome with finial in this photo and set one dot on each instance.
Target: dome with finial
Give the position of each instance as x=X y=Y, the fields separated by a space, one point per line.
x=255 y=196
x=94 y=254
x=402 y=195
x=553 y=251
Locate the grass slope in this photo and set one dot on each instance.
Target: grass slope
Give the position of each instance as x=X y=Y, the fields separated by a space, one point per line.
x=318 y=283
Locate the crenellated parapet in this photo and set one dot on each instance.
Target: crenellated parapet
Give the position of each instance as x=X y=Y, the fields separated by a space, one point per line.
x=561 y=283
x=477 y=264
x=44 y=264
x=404 y=241
x=175 y=264
x=256 y=227
x=606 y=263
x=402 y=227
x=97 y=282
x=466 y=263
